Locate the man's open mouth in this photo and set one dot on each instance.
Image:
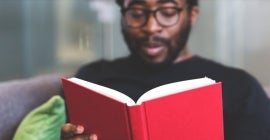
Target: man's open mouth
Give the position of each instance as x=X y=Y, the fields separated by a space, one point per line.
x=153 y=49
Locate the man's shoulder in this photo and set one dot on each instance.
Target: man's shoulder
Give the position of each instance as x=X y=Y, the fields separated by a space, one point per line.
x=222 y=71
x=102 y=66
x=103 y=63
x=212 y=65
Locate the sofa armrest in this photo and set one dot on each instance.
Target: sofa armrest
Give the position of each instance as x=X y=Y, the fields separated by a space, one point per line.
x=18 y=97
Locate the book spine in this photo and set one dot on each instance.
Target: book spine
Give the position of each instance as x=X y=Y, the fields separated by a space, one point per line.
x=138 y=123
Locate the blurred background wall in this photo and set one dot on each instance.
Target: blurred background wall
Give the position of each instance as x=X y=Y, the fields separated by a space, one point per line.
x=58 y=36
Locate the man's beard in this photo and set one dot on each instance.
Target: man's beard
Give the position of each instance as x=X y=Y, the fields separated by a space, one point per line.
x=134 y=45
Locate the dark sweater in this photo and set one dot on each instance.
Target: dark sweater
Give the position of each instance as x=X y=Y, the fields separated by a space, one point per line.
x=245 y=104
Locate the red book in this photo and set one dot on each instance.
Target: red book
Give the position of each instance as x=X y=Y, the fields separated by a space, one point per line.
x=187 y=110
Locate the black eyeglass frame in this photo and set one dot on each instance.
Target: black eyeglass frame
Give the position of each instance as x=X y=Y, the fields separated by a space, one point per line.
x=154 y=12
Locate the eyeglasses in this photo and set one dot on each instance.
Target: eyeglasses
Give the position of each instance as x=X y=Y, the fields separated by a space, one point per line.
x=138 y=17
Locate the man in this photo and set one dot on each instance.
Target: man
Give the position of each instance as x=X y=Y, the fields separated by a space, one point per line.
x=156 y=32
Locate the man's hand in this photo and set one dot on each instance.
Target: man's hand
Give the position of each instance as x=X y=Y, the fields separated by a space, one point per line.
x=72 y=132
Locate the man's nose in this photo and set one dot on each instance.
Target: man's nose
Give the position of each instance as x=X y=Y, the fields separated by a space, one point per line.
x=152 y=26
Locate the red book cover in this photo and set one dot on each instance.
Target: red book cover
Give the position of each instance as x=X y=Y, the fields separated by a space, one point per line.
x=188 y=110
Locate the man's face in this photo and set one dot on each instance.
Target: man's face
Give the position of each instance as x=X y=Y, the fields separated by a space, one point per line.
x=154 y=43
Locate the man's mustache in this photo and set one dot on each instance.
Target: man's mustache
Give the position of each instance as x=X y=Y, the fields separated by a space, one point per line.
x=154 y=39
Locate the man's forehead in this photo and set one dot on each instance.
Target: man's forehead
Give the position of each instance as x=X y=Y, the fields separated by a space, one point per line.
x=153 y=1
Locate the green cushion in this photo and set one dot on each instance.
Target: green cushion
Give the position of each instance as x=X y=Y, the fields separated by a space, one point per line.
x=44 y=122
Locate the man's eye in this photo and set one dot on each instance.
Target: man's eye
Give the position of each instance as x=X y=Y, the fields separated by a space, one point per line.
x=136 y=14
x=168 y=12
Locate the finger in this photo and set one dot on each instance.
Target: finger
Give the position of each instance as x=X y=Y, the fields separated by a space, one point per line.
x=93 y=137
x=79 y=137
x=69 y=130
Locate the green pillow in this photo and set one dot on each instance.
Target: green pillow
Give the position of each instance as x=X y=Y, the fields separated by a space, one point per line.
x=44 y=122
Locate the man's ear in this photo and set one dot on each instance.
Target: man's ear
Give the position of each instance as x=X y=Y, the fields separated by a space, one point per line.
x=194 y=14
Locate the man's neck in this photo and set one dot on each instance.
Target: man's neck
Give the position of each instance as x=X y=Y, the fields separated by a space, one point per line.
x=183 y=55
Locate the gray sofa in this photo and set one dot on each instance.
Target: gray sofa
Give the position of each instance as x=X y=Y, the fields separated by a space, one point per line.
x=19 y=97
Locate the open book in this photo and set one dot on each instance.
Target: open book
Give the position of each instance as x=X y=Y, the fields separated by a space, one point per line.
x=186 y=110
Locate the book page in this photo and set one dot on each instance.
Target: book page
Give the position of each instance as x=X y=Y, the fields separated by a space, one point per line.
x=174 y=88
x=111 y=93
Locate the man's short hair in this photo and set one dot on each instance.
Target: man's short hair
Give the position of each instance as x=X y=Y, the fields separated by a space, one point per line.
x=189 y=2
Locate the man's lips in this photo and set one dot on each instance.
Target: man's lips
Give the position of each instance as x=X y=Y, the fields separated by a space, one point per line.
x=152 y=49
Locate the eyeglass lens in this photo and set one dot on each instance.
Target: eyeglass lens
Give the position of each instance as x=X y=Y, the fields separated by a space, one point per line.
x=138 y=17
